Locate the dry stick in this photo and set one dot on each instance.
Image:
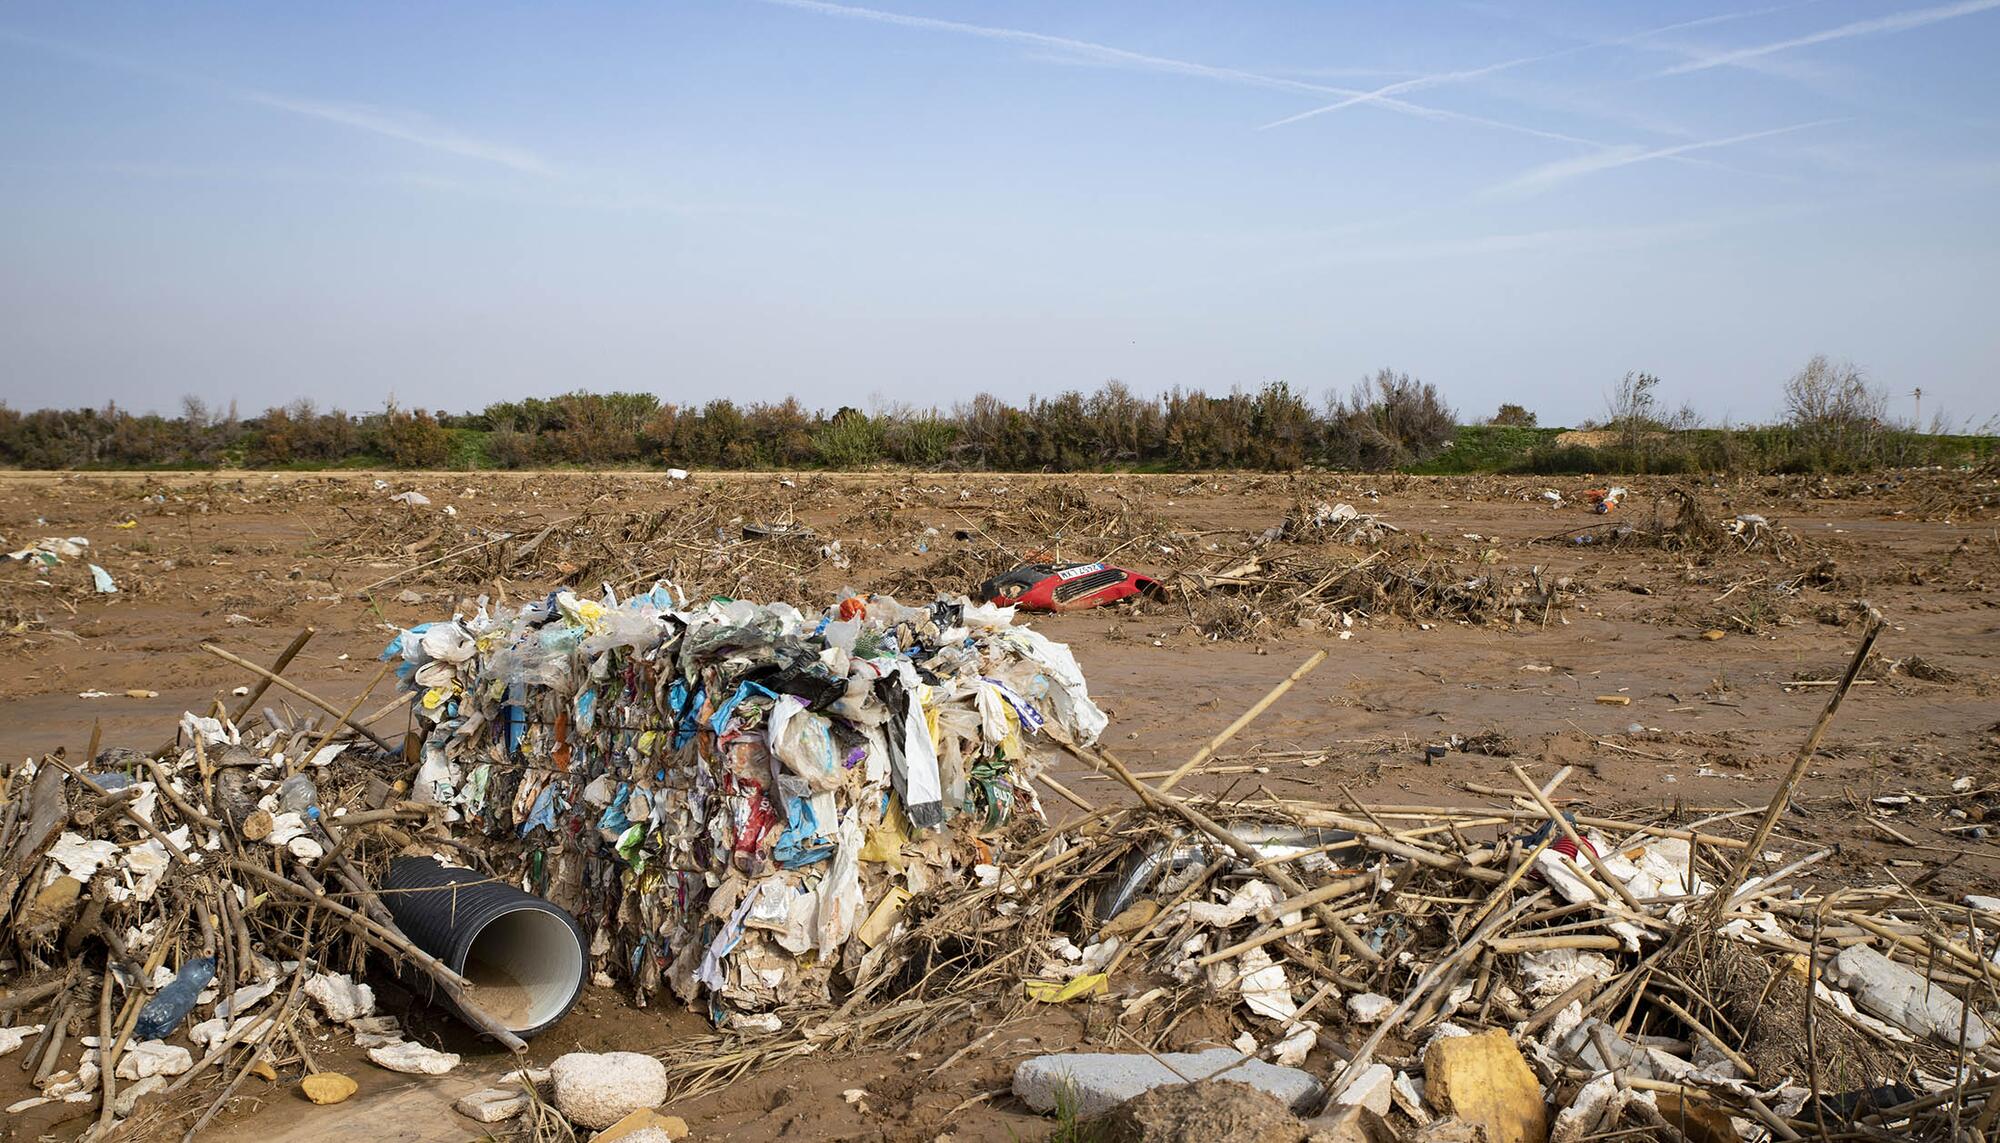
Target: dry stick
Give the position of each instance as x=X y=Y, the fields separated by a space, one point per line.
x=1159 y=918
x=452 y=985
x=1068 y=795
x=107 y=1073
x=1315 y=813
x=175 y=851
x=271 y=676
x=1358 y=1063
x=249 y=701
x=1782 y=796
x=32 y=996
x=1583 y=847
x=400 y=702
x=180 y=804
x=1245 y=719
x=1769 y=884
x=1154 y=798
x=1332 y=890
x=389 y=579
x=369 y=926
x=1258 y=941
x=51 y=1044
x=292 y=763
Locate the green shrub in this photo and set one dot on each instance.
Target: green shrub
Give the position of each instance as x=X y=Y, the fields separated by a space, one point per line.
x=851 y=439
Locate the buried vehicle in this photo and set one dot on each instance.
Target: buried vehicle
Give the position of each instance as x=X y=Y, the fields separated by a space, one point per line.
x=1066 y=587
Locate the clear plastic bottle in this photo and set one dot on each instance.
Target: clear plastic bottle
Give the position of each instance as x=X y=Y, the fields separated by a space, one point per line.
x=296 y=794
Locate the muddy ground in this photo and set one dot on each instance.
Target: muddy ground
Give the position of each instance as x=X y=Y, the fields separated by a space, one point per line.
x=1707 y=725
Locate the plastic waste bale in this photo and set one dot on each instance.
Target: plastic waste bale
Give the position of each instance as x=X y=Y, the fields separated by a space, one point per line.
x=728 y=794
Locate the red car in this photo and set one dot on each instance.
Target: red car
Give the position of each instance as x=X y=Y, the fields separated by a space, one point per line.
x=1065 y=587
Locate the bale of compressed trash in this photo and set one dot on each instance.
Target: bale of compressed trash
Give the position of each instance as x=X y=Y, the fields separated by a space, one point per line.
x=731 y=797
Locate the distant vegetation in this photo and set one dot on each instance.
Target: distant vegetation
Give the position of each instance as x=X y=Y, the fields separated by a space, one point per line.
x=1834 y=422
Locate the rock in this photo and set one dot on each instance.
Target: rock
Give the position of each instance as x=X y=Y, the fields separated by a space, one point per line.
x=1208 y=1109
x=328 y=1087
x=129 y=1097
x=597 y=1089
x=1103 y=1080
x=1350 y=1125
x=1409 y=1098
x=340 y=997
x=1483 y=1079
x=1368 y=1007
x=492 y=1105
x=413 y=1059
x=153 y=1058
x=1371 y=1089
x=1901 y=996
x=644 y=1126
x=1597 y=1108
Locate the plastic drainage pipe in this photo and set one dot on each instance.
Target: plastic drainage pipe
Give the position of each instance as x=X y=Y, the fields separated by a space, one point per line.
x=523 y=956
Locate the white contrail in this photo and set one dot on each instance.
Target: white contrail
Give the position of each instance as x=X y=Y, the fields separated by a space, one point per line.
x=380 y=122
x=375 y=120
x=1112 y=55
x=1441 y=78
x=1898 y=22
x=1549 y=174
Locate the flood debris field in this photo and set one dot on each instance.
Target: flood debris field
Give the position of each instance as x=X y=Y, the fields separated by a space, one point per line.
x=1509 y=834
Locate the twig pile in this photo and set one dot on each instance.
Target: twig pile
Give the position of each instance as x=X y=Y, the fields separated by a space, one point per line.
x=182 y=906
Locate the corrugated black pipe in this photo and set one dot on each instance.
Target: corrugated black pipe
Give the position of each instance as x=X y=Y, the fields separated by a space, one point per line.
x=526 y=958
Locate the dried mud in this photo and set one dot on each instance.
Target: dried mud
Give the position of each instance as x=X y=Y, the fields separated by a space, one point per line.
x=1707 y=725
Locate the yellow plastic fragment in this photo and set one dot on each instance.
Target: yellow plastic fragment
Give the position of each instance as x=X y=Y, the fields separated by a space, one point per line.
x=1064 y=991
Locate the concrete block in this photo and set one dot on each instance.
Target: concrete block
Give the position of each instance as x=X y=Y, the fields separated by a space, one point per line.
x=492 y=1104
x=1103 y=1080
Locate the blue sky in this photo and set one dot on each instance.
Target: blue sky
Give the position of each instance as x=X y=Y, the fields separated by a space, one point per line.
x=455 y=204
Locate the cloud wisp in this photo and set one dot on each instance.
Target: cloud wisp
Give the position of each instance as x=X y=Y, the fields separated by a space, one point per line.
x=1880 y=25
x=1550 y=174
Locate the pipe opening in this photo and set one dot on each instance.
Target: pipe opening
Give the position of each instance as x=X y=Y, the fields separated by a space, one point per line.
x=525 y=967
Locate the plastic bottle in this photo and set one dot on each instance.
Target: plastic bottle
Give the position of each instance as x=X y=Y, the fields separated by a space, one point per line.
x=296 y=793
x=170 y=1005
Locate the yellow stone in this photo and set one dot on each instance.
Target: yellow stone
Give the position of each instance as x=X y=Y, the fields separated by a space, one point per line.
x=673 y=1125
x=1483 y=1079
x=328 y=1087
x=1712 y=634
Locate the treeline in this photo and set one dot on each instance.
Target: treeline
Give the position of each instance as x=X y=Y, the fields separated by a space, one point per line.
x=1834 y=421
x=1389 y=420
